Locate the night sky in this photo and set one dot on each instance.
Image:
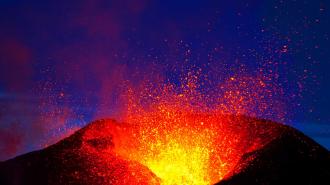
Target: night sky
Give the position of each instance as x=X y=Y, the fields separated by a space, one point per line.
x=63 y=63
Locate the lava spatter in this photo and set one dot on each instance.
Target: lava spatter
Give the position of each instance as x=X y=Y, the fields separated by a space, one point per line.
x=178 y=137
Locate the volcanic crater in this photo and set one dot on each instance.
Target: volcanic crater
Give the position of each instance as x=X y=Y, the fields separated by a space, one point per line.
x=180 y=149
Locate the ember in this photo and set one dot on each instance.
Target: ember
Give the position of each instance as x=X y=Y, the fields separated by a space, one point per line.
x=179 y=138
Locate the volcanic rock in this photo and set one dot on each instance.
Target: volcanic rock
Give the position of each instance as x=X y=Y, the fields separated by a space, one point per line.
x=291 y=158
x=86 y=157
x=68 y=162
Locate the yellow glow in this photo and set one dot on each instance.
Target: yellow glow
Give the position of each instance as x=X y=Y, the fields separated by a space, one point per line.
x=181 y=165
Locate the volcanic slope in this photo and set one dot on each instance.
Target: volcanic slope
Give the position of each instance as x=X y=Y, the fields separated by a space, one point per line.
x=269 y=153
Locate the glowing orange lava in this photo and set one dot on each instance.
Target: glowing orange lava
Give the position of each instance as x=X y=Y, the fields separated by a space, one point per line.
x=180 y=140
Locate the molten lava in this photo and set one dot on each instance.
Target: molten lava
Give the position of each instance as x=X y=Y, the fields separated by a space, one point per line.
x=178 y=138
x=181 y=148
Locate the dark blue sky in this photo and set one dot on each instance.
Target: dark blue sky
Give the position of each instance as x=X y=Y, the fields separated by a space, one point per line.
x=62 y=62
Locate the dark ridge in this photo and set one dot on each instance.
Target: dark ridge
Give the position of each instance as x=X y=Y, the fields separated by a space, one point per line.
x=291 y=158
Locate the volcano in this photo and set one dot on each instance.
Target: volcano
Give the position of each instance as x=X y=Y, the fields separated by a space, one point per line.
x=231 y=150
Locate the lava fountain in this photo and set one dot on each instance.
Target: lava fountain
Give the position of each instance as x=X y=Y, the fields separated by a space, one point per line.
x=179 y=138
